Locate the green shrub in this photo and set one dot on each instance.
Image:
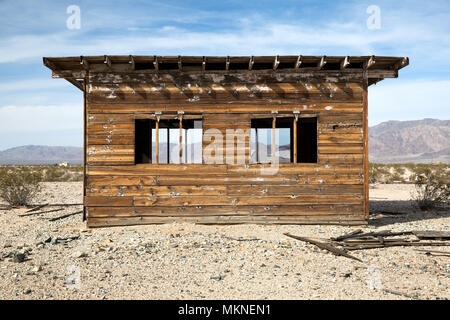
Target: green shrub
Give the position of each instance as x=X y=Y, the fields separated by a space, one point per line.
x=19 y=187
x=432 y=189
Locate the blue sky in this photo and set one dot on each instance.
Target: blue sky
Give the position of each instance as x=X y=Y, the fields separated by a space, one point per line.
x=36 y=109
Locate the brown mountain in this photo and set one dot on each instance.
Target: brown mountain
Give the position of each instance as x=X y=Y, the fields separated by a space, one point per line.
x=419 y=141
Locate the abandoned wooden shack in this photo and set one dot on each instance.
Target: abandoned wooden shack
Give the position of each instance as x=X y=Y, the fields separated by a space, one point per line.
x=222 y=140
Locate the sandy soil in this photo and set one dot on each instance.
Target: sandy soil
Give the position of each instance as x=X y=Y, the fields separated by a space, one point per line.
x=186 y=261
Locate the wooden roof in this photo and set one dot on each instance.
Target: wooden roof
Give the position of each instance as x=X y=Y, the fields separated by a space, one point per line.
x=75 y=69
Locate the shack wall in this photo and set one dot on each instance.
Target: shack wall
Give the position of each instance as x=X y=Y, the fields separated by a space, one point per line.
x=118 y=192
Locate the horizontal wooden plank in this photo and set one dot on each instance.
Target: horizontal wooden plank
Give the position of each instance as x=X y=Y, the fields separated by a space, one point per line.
x=341 y=148
x=251 y=219
x=341 y=159
x=240 y=107
x=260 y=190
x=183 y=180
x=217 y=169
x=110 y=154
x=101 y=118
x=340 y=138
x=346 y=78
x=110 y=139
x=149 y=87
x=280 y=210
x=204 y=200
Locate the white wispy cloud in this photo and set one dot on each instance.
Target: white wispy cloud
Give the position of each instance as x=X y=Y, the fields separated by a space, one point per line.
x=36 y=118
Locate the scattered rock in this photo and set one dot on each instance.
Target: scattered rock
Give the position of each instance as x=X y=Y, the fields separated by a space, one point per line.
x=19 y=257
x=79 y=254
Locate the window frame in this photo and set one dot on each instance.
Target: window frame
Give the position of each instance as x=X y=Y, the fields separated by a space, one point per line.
x=294 y=138
x=157 y=117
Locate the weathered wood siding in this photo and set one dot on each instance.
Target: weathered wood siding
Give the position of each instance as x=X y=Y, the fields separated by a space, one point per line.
x=118 y=192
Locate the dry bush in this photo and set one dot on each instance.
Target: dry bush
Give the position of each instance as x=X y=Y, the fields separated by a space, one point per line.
x=19 y=187
x=432 y=189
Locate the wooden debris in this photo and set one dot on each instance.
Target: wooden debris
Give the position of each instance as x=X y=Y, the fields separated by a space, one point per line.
x=59 y=205
x=438 y=235
x=325 y=246
x=38 y=213
x=346 y=236
x=373 y=240
x=65 y=216
x=37 y=207
x=394 y=244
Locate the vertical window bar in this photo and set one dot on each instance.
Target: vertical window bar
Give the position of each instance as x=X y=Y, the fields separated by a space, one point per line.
x=181 y=138
x=157 y=140
x=295 y=138
x=273 y=137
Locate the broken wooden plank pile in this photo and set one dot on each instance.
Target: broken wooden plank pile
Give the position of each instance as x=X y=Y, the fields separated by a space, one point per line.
x=358 y=240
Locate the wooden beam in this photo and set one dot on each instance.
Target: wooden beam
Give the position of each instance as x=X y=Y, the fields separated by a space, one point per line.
x=402 y=63
x=157 y=140
x=298 y=62
x=366 y=143
x=181 y=138
x=322 y=63
x=273 y=136
x=370 y=63
x=132 y=63
x=251 y=63
x=155 y=63
x=180 y=64
x=84 y=63
x=380 y=74
x=107 y=61
x=76 y=83
x=276 y=62
x=49 y=64
x=295 y=138
x=345 y=63
x=227 y=63
x=204 y=63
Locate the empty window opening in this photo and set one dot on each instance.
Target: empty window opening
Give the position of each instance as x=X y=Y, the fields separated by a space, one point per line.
x=293 y=141
x=168 y=141
x=143 y=139
x=171 y=137
x=307 y=140
x=265 y=138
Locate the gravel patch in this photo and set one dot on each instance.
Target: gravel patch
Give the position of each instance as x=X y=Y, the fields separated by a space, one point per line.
x=40 y=259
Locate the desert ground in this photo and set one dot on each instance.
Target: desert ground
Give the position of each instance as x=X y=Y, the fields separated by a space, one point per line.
x=65 y=260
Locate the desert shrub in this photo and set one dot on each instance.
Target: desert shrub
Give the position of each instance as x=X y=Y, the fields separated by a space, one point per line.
x=432 y=188
x=19 y=187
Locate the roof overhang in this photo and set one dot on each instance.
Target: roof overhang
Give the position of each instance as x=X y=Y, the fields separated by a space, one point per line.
x=76 y=69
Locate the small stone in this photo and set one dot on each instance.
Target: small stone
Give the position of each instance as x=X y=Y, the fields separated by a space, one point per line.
x=79 y=254
x=36 y=268
x=27 y=291
x=19 y=257
x=276 y=266
x=218 y=277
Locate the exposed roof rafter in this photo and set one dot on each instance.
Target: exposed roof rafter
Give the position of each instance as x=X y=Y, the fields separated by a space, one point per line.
x=322 y=63
x=345 y=63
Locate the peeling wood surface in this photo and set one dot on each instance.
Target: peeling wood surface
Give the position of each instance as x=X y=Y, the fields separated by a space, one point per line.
x=118 y=192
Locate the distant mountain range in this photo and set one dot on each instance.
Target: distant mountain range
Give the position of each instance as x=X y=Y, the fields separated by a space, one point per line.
x=419 y=141
x=41 y=155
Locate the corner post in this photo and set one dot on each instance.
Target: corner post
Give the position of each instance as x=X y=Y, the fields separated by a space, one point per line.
x=365 y=86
